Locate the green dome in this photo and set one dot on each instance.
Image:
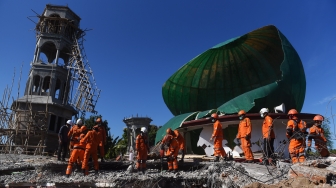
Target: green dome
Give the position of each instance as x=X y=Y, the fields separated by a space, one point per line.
x=256 y=70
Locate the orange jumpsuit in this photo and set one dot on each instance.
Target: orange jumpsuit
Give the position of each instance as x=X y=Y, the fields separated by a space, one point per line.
x=296 y=134
x=92 y=140
x=317 y=133
x=268 y=136
x=74 y=134
x=78 y=153
x=102 y=135
x=172 y=151
x=180 y=140
x=217 y=134
x=142 y=148
x=244 y=134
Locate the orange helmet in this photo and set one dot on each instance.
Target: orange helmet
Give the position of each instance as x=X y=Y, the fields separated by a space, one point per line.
x=214 y=115
x=241 y=112
x=292 y=112
x=83 y=128
x=169 y=131
x=318 y=118
x=99 y=120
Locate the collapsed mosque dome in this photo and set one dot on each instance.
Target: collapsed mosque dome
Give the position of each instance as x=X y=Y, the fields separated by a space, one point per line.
x=257 y=70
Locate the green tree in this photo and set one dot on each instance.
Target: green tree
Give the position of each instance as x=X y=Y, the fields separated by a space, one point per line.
x=327 y=133
x=152 y=130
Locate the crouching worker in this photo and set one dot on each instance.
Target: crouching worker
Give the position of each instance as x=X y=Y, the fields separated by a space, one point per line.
x=316 y=132
x=172 y=152
x=142 y=148
x=92 y=140
x=77 y=155
x=180 y=140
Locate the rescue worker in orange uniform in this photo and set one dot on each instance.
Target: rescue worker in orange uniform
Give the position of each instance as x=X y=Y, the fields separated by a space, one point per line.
x=268 y=135
x=92 y=140
x=102 y=135
x=142 y=148
x=217 y=136
x=296 y=133
x=74 y=134
x=172 y=152
x=180 y=140
x=78 y=152
x=316 y=132
x=244 y=135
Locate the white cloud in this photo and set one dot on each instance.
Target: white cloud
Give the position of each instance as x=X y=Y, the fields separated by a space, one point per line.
x=326 y=99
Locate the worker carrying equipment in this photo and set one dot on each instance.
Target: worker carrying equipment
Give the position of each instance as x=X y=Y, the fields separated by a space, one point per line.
x=316 y=132
x=172 y=152
x=92 y=140
x=142 y=148
x=180 y=140
x=78 y=152
x=268 y=135
x=217 y=136
x=296 y=133
x=244 y=134
x=102 y=134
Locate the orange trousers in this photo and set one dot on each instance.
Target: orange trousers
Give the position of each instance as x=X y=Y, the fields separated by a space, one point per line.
x=218 y=147
x=296 y=150
x=93 y=153
x=246 y=147
x=322 y=148
x=172 y=163
x=141 y=159
x=76 y=154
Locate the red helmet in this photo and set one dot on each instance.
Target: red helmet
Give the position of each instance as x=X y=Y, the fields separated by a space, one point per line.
x=169 y=131
x=241 y=112
x=292 y=112
x=318 y=118
x=214 y=115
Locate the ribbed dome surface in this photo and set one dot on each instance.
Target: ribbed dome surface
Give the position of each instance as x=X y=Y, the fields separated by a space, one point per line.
x=255 y=66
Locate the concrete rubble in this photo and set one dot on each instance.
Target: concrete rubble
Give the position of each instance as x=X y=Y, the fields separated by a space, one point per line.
x=46 y=171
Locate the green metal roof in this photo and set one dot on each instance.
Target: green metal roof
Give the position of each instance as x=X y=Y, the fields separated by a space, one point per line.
x=239 y=66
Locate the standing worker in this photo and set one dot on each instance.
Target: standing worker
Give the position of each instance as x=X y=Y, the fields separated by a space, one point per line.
x=102 y=135
x=78 y=152
x=244 y=135
x=63 y=140
x=142 y=148
x=296 y=133
x=180 y=140
x=92 y=140
x=172 y=152
x=268 y=135
x=74 y=133
x=217 y=135
x=316 y=132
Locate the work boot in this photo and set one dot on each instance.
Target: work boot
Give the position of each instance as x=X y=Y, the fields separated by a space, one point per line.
x=96 y=172
x=216 y=159
x=68 y=175
x=83 y=170
x=175 y=171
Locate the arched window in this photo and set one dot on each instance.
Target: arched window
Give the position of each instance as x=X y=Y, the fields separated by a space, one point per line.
x=46 y=84
x=58 y=94
x=36 y=84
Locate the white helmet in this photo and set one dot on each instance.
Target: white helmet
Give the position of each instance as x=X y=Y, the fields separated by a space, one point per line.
x=263 y=111
x=69 y=122
x=143 y=129
x=79 y=122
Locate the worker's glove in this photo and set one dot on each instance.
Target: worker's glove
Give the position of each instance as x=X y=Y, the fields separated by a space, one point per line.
x=308 y=150
x=247 y=137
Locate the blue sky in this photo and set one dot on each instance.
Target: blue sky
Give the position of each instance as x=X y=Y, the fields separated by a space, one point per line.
x=135 y=46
